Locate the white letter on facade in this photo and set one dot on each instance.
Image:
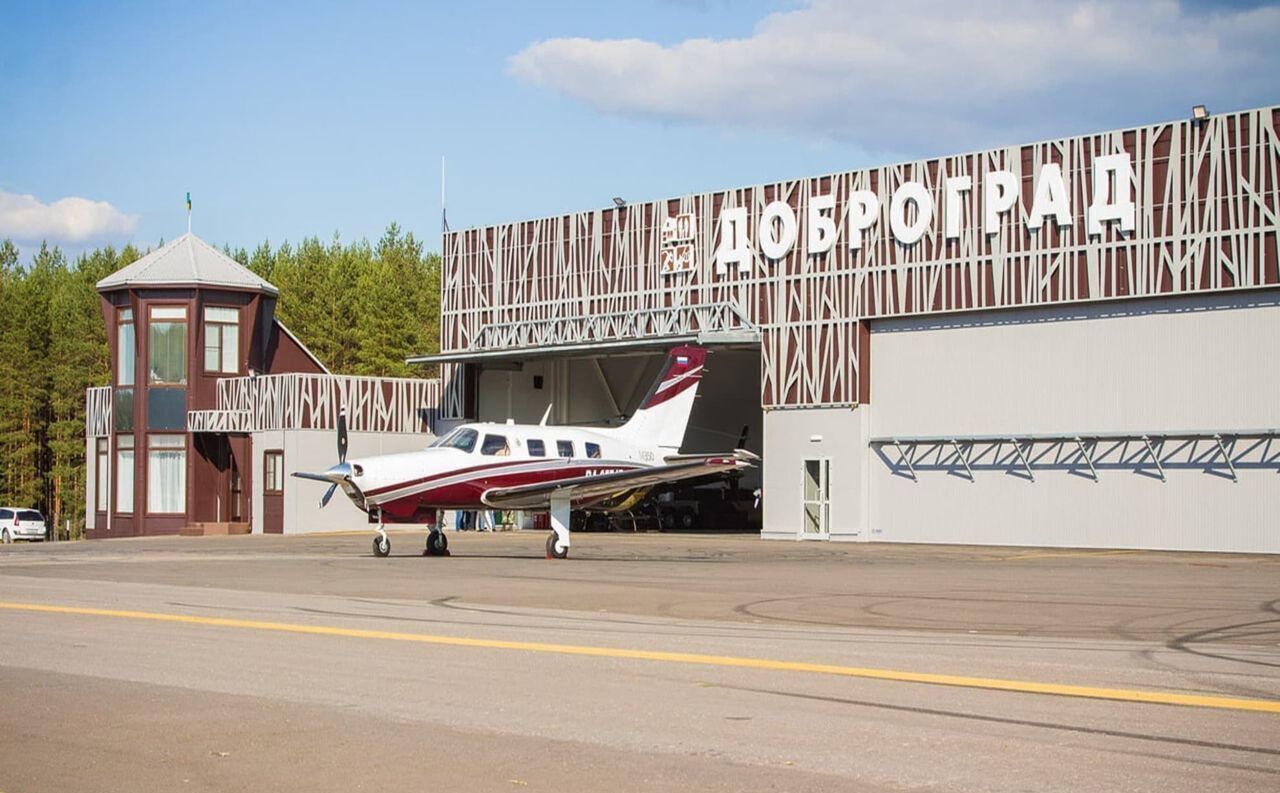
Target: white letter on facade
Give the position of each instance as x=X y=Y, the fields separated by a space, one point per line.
x=999 y=191
x=952 y=188
x=1108 y=203
x=902 y=231
x=861 y=212
x=776 y=244
x=734 y=247
x=1051 y=198
x=821 y=228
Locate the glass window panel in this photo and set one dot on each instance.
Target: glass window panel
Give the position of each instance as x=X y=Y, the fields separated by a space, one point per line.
x=166 y=474
x=463 y=439
x=212 y=348
x=811 y=519
x=122 y=410
x=593 y=450
x=230 y=349
x=101 y=475
x=126 y=354
x=167 y=409
x=124 y=476
x=169 y=312
x=564 y=448
x=495 y=445
x=167 y=342
x=537 y=448
x=218 y=314
x=221 y=339
x=812 y=478
x=274 y=479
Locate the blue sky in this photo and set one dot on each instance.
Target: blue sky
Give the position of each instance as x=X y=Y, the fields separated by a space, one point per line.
x=293 y=119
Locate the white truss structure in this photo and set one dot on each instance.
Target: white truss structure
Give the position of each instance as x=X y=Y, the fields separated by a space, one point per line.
x=97 y=411
x=313 y=401
x=1207 y=197
x=1153 y=453
x=300 y=402
x=219 y=421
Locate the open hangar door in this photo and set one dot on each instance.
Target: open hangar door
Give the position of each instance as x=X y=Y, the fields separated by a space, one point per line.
x=604 y=388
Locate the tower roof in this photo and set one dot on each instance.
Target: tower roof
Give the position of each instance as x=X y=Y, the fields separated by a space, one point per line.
x=187 y=261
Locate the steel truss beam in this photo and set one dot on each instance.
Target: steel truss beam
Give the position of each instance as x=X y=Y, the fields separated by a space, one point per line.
x=963 y=444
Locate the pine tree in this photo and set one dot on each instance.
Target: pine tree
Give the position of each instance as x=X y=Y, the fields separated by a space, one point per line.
x=78 y=360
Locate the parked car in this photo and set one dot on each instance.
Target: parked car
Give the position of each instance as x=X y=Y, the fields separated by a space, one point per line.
x=21 y=524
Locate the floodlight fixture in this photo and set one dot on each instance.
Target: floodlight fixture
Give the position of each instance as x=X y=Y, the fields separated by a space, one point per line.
x=618 y=202
x=1199 y=113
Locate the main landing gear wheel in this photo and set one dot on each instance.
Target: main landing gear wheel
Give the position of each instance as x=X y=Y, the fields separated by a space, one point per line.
x=437 y=544
x=381 y=545
x=552 y=552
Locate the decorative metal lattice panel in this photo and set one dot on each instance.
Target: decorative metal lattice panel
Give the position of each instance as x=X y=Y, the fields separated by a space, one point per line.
x=1206 y=198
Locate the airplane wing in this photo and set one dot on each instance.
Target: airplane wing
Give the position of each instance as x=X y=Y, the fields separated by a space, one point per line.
x=582 y=488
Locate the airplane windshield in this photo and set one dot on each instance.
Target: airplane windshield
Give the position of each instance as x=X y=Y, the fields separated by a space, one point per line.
x=463 y=438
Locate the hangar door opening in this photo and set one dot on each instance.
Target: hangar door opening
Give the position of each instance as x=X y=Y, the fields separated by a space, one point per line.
x=604 y=390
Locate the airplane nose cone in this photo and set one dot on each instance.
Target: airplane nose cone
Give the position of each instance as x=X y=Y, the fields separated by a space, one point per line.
x=340 y=471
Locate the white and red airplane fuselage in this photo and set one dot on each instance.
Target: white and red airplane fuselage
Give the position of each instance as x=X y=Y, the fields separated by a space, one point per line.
x=539 y=467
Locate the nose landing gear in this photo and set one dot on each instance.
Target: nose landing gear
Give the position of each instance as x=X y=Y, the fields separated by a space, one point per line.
x=381 y=543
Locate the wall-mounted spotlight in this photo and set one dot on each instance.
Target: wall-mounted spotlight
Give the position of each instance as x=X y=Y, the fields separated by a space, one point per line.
x=1199 y=114
x=618 y=202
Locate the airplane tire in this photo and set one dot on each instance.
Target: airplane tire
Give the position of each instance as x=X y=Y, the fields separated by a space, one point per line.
x=552 y=551
x=688 y=519
x=437 y=543
x=381 y=546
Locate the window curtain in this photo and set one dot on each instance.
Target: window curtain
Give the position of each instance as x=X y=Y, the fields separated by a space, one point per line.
x=166 y=474
x=124 y=480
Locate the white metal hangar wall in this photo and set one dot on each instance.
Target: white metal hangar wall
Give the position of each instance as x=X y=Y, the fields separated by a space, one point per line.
x=1106 y=301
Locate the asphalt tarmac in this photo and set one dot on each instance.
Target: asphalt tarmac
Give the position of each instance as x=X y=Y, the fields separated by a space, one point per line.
x=647 y=662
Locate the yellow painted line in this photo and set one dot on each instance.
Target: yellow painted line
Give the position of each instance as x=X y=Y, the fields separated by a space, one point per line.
x=959 y=681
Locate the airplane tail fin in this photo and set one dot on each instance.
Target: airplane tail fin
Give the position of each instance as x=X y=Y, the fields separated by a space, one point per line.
x=663 y=415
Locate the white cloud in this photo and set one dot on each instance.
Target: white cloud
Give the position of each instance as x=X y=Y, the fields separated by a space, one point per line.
x=67 y=220
x=911 y=74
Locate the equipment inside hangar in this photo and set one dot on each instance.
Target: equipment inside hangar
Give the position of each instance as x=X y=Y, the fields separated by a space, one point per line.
x=603 y=387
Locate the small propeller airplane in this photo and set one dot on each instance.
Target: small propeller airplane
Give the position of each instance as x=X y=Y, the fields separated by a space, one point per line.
x=481 y=466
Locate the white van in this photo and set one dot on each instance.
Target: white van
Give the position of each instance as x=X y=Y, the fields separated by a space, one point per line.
x=21 y=524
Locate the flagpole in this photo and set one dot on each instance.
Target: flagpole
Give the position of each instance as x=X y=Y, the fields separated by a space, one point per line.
x=444 y=217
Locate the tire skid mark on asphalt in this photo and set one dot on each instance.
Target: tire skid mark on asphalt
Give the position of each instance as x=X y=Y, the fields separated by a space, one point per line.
x=764 y=664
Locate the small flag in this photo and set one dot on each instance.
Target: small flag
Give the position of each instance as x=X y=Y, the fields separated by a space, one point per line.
x=188 y=201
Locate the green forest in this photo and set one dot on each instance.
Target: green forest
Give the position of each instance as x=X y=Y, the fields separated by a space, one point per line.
x=361 y=307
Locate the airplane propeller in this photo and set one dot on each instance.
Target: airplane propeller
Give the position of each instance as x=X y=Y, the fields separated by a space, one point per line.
x=342 y=458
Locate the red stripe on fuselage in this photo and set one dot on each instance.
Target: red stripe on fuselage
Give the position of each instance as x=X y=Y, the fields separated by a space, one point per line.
x=466 y=494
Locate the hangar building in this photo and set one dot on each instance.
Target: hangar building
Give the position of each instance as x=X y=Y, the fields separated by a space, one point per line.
x=1063 y=343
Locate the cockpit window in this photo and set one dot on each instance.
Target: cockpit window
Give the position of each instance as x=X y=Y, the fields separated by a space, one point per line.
x=495 y=445
x=463 y=438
